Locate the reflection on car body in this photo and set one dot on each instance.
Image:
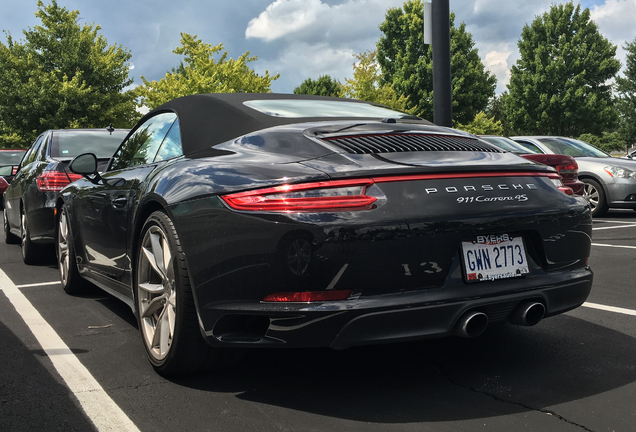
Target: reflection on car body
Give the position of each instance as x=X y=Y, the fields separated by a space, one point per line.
x=246 y=220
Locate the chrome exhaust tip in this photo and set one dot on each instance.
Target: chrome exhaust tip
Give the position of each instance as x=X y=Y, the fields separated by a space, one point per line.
x=471 y=324
x=527 y=313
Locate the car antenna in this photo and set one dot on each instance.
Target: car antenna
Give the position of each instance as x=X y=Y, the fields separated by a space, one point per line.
x=110 y=128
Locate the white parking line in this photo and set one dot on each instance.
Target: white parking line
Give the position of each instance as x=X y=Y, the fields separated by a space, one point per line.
x=613 y=221
x=38 y=284
x=98 y=406
x=613 y=227
x=614 y=246
x=610 y=308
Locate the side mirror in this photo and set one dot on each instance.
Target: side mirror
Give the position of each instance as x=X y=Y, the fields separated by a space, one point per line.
x=84 y=164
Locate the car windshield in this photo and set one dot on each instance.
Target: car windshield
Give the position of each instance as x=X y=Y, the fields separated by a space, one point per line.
x=507 y=144
x=68 y=144
x=297 y=108
x=10 y=157
x=572 y=147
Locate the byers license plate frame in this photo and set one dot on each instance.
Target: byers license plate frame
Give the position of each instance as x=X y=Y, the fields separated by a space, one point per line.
x=493 y=257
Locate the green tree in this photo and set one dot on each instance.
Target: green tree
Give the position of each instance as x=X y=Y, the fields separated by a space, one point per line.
x=365 y=84
x=608 y=141
x=496 y=110
x=62 y=76
x=407 y=64
x=482 y=125
x=199 y=72
x=626 y=89
x=559 y=86
x=323 y=86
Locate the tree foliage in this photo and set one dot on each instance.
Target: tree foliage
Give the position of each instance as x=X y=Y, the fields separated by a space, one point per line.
x=365 y=84
x=626 y=89
x=482 y=125
x=323 y=86
x=200 y=72
x=407 y=64
x=608 y=141
x=62 y=76
x=559 y=86
x=496 y=110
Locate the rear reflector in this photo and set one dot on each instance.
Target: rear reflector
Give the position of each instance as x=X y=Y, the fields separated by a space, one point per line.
x=54 y=181
x=310 y=296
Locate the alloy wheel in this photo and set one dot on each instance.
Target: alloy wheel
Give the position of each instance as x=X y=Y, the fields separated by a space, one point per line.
x=592 y=195
x=62 y=249
x=156 y=292
x=23 y=233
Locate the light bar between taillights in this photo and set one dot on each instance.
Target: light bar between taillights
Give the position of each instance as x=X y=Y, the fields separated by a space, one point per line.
x=344 y=195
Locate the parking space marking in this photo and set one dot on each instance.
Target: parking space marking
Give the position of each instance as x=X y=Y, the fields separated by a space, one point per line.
x=613 y=221
x=614 y=246
x=614 y=227
x=37 y=284
x=610 y=308
x=98 y=406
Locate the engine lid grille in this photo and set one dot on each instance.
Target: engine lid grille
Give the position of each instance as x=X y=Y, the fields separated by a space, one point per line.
x=408 y=142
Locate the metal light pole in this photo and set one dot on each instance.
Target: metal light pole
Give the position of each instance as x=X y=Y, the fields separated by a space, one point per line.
x=442 y=96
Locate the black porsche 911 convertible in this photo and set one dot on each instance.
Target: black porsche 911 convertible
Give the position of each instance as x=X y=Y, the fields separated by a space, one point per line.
x=262 y=220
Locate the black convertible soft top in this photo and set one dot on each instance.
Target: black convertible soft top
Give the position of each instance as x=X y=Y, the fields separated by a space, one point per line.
x=210 y=119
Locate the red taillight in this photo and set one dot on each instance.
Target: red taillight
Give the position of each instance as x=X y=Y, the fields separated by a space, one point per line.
x=54 y=181
x=14 y=170
x=310 y=296
x=337 y=195
x=568 y=168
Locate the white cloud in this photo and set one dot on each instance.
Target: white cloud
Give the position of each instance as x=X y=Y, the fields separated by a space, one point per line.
x=615 y=20
x=497 y=63
x=317 y=37
x=284 y=17
x=313 y=21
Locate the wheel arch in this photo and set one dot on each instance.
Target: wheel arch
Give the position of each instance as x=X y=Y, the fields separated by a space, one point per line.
x=587 y=176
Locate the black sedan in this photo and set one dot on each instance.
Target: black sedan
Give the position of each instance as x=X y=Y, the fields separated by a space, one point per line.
x=244 y=220
x=29 y=201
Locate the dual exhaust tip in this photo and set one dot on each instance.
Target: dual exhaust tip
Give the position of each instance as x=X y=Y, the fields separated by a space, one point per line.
x=474 y=323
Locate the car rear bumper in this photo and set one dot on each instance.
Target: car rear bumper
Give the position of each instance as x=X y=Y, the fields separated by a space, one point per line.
x=389 y=318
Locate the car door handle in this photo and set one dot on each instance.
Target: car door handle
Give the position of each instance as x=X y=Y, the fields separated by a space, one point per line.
x=119 y=202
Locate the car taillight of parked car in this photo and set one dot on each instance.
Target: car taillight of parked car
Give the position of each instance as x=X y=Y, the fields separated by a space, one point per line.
x=556 y=179
x=55 y=181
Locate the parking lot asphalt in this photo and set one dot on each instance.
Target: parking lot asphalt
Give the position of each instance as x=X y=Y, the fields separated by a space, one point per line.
x=571 y=372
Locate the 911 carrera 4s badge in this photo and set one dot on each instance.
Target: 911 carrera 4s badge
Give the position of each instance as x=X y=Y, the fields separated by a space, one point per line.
x=492 y=257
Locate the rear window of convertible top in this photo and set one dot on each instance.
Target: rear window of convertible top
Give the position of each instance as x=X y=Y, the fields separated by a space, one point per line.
x=296 y=108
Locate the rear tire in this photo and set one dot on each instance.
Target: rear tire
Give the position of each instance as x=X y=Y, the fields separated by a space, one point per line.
x=8 y=237
x=31 y=253
x=167 y=316
x=70 y=278
x=595 y=195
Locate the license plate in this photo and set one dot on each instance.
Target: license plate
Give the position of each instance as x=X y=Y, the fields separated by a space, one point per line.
x=491 y=257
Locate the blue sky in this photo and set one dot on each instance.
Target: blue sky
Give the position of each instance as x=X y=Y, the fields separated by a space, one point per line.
x=301 y=38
